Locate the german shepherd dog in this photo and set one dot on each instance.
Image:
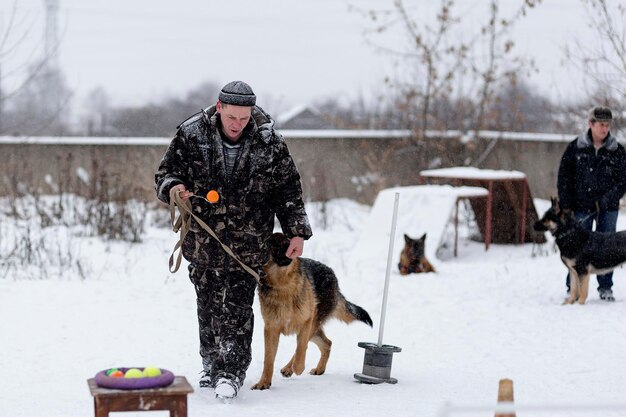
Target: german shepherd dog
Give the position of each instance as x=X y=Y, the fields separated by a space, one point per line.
x=583 y=252
x=412 y=257
x=297 y=297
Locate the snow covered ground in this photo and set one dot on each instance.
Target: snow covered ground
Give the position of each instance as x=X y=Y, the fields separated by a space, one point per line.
x=485 y=315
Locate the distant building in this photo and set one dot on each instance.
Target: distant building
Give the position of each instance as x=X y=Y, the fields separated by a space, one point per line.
x=302 y=117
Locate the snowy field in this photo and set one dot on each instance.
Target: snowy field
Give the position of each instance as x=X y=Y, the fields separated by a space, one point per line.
x=485 y=315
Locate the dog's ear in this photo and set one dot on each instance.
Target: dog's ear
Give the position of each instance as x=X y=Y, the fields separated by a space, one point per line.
x=423 y=238
x=407 y=239
x=555 y=203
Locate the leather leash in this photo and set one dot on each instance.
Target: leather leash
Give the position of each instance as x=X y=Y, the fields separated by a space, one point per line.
x=182 y=223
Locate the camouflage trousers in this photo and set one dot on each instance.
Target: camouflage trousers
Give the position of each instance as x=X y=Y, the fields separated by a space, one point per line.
x=226 y=321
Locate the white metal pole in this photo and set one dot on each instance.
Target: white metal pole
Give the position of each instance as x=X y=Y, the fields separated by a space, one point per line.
x=389 y=255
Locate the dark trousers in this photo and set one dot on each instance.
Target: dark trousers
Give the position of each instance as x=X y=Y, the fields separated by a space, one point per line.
x=226 y=321
x=605 y=222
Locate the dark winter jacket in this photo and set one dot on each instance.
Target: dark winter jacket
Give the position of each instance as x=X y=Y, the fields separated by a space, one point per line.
x=264 y=183
x=588 y=178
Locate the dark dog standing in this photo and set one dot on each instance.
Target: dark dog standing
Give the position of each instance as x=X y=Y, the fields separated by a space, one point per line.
x=297 y=297
x=412 y=257
x=583 y=252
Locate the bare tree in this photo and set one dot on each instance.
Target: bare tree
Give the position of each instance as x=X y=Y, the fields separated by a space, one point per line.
x=433 y=58
x=517 y=107
x=603 y=60
x=498 y=67
x=27 y=71
x=448 y=63
x=27 y=112
x=455 y=75
x=13 y=32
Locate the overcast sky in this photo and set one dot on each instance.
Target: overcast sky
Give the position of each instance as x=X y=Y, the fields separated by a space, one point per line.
x=291 y=52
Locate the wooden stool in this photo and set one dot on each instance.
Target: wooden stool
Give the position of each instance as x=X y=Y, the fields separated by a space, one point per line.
x=172 y=398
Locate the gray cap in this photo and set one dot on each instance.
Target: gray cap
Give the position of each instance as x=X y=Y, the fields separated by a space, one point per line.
x=237 y=93
x=600 y=114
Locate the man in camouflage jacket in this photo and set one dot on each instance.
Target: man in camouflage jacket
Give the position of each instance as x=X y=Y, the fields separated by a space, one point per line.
x=255 y=181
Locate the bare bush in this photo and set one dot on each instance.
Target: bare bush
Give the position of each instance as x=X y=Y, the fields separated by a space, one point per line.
x=41 y=235
x=35 y=249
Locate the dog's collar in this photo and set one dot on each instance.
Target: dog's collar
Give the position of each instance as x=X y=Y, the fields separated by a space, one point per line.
x=573 y=229
x=564 y=234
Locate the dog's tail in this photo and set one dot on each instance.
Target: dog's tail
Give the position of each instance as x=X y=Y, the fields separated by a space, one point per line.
x=349 y=312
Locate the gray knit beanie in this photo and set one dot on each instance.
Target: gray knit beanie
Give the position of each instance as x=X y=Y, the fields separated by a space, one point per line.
x=237 y=93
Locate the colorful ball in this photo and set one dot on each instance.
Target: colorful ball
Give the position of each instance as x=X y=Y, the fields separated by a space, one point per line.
x=213 y=196
x=150 y=371
x=110 y=371
x=117 y=374
x=133 y=373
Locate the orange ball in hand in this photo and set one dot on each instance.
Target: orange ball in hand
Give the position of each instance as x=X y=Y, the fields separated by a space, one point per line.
x=213 y=196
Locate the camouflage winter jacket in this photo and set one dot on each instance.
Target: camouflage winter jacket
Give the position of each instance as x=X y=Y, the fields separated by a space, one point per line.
x=264 y=183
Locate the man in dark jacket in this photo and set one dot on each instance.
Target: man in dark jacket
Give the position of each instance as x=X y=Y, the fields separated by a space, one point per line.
x=591 y=181
x=232 y=149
